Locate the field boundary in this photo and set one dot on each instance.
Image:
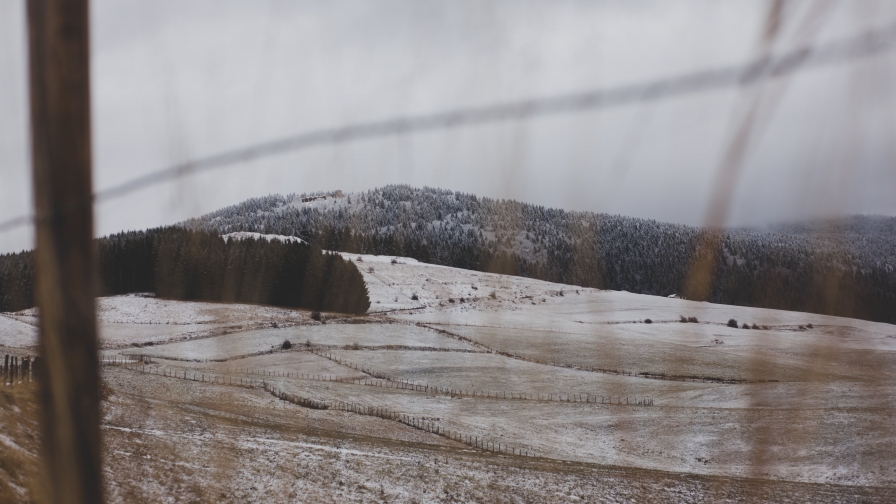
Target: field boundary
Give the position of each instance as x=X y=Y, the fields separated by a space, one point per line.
x=590 y=369
x=418 y=423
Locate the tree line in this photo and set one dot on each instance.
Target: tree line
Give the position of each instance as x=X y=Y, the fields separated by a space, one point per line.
x=176 y=263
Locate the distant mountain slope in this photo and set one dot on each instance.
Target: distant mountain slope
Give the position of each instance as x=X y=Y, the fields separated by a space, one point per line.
x=844 y=267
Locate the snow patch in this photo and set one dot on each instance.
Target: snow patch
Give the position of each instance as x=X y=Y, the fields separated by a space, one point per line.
x=242 y=235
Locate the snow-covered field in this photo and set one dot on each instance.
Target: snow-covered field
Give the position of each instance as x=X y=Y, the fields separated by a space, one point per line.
x=17 y=332
x=338 y=335
x=801 y=398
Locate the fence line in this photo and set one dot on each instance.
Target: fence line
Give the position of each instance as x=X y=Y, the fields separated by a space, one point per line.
x=386 y=381
x=419 y=423
x=591 y=369
x=302 y=348
x=16 y=370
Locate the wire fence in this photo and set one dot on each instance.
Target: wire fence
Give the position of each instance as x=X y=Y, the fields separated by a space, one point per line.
x=17 y=370
x=426 y=424
x=865 y=44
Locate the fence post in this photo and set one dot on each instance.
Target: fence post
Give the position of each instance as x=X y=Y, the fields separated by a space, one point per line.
x=65 y=282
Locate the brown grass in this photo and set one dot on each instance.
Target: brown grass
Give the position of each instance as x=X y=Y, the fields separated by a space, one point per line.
x=19 y=446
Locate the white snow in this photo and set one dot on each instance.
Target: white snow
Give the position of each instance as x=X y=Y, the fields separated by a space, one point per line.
x=816 y=405
x=242 y=235
x=17 y=332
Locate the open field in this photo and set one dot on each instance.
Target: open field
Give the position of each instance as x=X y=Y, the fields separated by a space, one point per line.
x=16 y=333
x=213 y=444
x=497 y=373
x=462 y=395
x=331 y=335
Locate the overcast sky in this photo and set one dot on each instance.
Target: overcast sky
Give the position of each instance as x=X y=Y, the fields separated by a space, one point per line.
x=175 y=80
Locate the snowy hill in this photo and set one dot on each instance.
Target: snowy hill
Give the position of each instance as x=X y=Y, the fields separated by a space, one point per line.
x=845 y=267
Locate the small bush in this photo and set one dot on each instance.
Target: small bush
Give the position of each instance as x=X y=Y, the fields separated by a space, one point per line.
x=414 y=297
x=732 y=323
x=648 y=321
x=693 y=320
x=394 y=261
x=315 y=315
x=682 y=319
x=745 y=326
x=809 y=326
x=755 y=326
x=802 y=328
x=355 y=346
x=286 y=345
x=370 y=269
x=450 y=300
x=307 y=342
x=493 y=295
x=360 y=259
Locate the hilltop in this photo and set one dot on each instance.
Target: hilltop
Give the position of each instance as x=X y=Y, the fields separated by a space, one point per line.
x=844 y=267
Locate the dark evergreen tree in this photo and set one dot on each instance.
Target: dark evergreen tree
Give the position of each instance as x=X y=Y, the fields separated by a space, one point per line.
x=193 y=265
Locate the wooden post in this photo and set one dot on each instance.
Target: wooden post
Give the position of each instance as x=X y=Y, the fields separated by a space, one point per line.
x=65 y=288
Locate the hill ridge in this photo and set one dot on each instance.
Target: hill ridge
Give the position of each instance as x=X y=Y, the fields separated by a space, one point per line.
x=850 y=271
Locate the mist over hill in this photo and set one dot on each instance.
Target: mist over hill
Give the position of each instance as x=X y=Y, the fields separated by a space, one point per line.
x=839 y=267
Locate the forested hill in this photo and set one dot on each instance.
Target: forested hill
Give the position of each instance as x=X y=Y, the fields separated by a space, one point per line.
x=838 y=267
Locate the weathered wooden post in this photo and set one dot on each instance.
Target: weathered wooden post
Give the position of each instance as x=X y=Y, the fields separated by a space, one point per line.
x=65 y=287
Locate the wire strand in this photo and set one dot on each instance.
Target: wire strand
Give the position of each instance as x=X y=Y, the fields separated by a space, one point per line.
x=866 y=44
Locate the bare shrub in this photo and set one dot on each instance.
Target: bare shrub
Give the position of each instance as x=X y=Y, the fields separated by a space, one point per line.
x=315 y=315
x=693 y=320
x=732 y=323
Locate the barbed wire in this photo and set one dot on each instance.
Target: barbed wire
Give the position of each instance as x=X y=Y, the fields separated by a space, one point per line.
x=868 y=43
